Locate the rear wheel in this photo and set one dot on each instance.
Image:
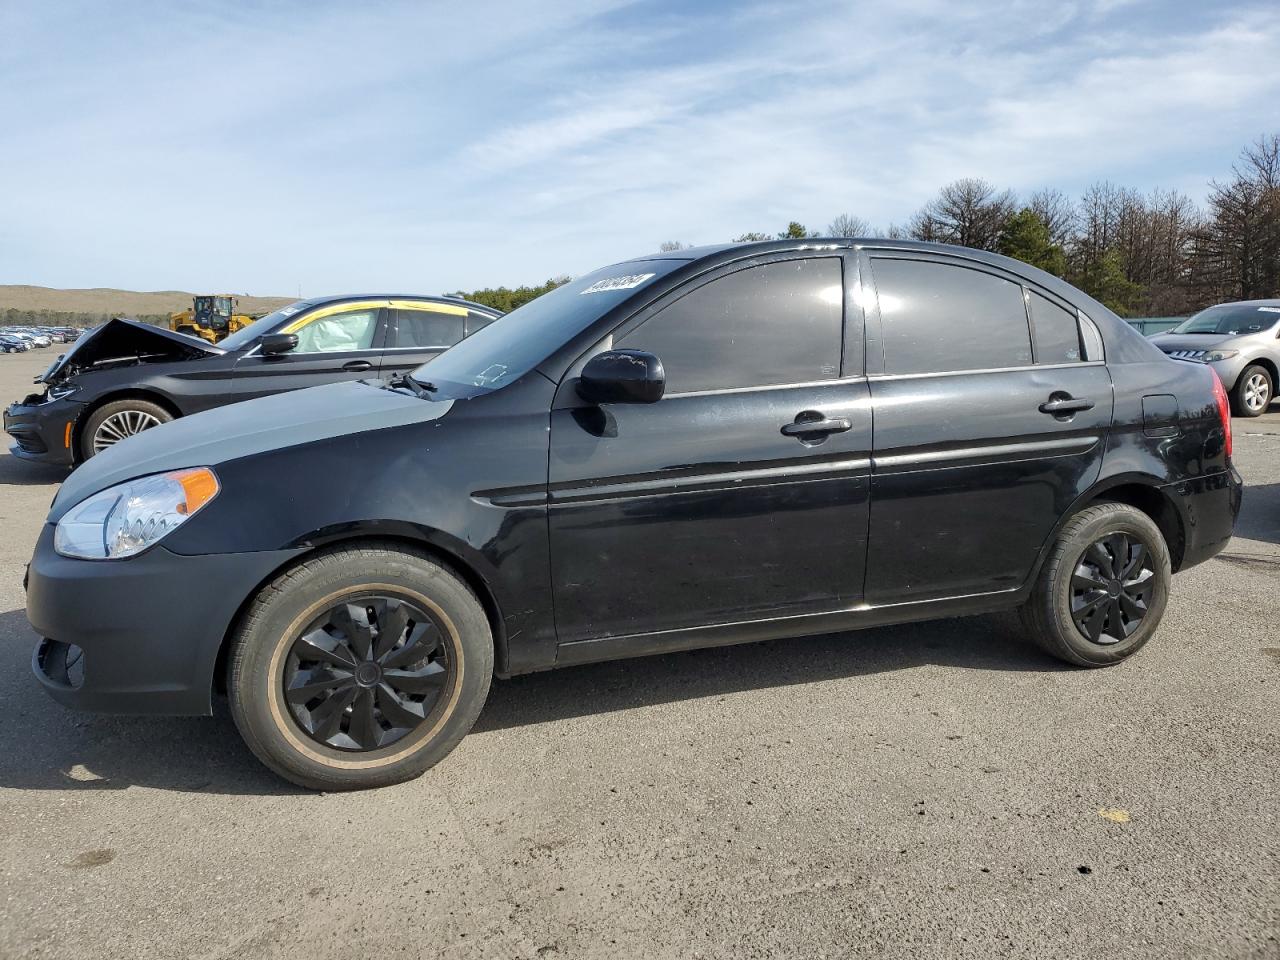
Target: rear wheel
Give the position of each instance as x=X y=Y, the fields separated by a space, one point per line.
x=1103 y=589
x=118 y=420
x=1253 y=392
x=360 y=667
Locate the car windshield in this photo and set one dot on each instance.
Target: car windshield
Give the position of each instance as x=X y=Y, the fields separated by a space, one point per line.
x=247 y=335
x=514 y=344
x=1231 y=318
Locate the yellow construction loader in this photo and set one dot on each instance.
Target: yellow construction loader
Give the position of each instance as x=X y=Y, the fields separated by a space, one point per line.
x=211 y=317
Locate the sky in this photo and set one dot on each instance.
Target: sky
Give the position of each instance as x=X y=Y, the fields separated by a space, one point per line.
x=286 y=147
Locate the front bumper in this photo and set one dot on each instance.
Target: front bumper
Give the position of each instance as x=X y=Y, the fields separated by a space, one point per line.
x=141 y=635
x=43 y=431
x=1229 y=370
x=1208 y=507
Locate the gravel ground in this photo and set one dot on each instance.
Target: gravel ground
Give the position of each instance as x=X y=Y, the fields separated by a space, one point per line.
x=934 y=790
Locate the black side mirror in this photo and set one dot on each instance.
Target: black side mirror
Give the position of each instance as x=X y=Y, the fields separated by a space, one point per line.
x=622 y=376
x=273 y=344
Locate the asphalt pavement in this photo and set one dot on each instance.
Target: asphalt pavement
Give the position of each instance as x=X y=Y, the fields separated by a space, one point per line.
x=930 y=790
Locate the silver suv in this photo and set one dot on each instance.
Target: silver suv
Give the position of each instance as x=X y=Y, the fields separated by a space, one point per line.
x=1241 y=341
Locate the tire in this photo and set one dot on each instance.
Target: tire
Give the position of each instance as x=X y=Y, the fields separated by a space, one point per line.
x=1048 y=613
x=272 y=669
x=116 y=420
x=1253 y=392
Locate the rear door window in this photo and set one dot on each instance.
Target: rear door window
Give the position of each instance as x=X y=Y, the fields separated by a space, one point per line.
x=426 y=328
x=776 y=323
x=477 y=321
x=939 y=317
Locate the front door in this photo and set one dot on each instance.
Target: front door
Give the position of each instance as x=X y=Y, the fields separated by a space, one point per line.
x=990 y=420
x=713 y=506
x=335 y=343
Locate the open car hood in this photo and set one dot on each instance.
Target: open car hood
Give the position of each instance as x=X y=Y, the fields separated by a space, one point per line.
x=123 y=342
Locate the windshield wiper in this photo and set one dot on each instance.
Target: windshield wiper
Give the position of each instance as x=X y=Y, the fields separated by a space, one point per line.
x=420 y=388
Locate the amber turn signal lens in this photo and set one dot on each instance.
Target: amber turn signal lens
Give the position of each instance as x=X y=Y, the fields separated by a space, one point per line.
x=199 y=485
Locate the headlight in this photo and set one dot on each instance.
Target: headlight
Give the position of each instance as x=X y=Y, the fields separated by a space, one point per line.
x=1213 y=355
x=61 y=391
x=130 y=517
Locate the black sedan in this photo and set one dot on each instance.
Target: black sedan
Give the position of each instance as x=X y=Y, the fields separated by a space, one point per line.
x=125 y=377
x=12 y=344
x=697 y=448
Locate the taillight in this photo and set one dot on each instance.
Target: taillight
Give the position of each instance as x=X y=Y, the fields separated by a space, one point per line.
x=1224 y=409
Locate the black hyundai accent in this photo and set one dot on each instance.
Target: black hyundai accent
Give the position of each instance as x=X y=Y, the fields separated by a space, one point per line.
x=697 y=448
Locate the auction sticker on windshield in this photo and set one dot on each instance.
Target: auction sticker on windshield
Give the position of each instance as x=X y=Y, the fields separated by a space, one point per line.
x=618 y=283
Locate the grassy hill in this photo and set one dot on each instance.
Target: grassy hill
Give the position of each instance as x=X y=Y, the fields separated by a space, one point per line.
x=26 y=304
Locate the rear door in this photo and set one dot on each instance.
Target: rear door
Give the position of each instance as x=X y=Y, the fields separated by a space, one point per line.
x=990 y=418
x=417 y=331
x=712 y=505
x=335 y=342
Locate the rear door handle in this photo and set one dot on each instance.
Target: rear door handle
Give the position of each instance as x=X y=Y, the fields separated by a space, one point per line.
x=1060 y=403
x=355 y=365
x=818 y=425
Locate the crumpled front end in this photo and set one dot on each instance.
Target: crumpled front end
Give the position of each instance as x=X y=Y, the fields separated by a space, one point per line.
x=43 y=428
x=123 y=342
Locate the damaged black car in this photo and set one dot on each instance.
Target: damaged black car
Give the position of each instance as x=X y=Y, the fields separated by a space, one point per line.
x=125 y=377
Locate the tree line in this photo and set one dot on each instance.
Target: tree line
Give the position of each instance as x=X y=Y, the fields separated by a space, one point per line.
x=16 y=317
x=1154 y=254
x=507 y=299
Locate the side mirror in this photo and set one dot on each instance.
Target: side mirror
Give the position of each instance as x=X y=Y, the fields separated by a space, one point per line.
x=273 y=344
x=622 y=376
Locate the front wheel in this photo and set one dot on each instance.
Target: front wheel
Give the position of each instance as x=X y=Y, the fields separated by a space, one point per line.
x=119 y=420
x=1103 y=588
x=1253 y=392
x=359 y=667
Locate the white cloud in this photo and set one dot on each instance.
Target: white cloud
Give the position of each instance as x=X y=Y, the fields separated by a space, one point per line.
x=392 y=145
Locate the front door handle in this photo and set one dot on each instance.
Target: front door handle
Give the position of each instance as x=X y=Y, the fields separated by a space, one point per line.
x=357 y=365
x=1063 y=404
x=811 y=423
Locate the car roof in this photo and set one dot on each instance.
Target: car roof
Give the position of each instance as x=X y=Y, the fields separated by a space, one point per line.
x=1123 y=343
x=433 y=298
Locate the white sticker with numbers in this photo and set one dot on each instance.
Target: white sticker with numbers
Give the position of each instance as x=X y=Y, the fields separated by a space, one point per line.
x=618 y=283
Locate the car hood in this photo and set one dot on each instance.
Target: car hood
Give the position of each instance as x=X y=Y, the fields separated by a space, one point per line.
x=126 y=341
x=244 y=429
x=1191 y=341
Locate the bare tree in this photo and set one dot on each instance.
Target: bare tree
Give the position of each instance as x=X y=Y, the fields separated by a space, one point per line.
x=752 y=237
x=671 y=246
x=848 y=226
x=1102 y=209
x=1058 y=213
x=1239 y=251
x=970 y=212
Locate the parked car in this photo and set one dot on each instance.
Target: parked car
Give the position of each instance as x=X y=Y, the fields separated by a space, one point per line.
x=41 y=338
x=696 y=448
x=1241 y=342
x=12 y=344
x=28 y=336
x=125 y=377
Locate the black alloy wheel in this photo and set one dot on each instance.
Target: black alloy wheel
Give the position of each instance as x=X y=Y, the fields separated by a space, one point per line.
x=1111 y=588
x=1102 y=590
x=366 y=673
